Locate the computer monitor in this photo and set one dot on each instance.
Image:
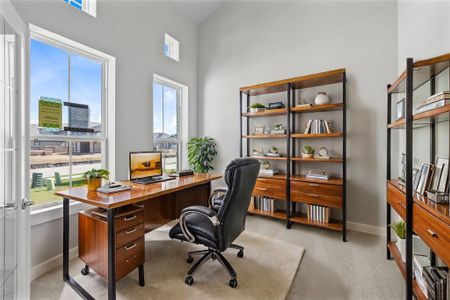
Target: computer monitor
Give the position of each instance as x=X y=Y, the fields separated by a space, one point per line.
x=145 y=164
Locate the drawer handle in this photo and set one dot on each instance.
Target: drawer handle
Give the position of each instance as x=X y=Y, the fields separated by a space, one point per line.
x=129 y=260
x=314 y=195
x=126 y=219
x=261 y=179
x=261 y=189
x=130 y=230
x=313 y=184
x=129 y=247
x=431 y=232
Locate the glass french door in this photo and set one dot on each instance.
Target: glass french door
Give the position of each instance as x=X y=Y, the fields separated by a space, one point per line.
x=9 y=162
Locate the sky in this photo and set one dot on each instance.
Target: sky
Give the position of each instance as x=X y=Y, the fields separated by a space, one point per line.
x=49 y=77
x=164 y=121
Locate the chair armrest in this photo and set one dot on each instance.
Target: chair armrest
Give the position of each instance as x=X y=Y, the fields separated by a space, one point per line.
x=201 y=210
x=215 y=193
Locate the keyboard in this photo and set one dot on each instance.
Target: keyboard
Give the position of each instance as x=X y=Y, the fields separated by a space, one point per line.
x=149 y=180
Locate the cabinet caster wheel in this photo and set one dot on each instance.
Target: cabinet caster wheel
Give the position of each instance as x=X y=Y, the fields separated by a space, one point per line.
x=189 y=280
x=85 y=270
x=233 y=283
x=189 y=259
x=240 y=254
x=288 y=225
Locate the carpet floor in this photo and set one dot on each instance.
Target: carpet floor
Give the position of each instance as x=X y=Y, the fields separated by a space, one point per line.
x=266 y=272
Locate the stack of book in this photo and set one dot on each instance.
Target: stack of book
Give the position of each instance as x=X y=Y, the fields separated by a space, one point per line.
x=420 y=262
x=264 y=204
x=268 y=172
x=318 y=175
x=318 y=126
x=318 y=213
x=434 y=282
x=435 y=101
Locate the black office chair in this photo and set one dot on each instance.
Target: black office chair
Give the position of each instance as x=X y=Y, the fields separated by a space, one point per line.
x=217 y=229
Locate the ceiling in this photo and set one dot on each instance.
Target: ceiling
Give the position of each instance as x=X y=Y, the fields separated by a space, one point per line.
x=197 y=10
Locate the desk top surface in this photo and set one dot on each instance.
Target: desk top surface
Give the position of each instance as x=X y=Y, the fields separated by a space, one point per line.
x=138 y=192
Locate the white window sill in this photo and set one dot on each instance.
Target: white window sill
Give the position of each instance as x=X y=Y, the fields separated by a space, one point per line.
x=55 y=212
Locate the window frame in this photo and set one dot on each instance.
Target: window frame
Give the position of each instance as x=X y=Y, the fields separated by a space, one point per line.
x=107 y=137
x=174 y=47
x=87 y=6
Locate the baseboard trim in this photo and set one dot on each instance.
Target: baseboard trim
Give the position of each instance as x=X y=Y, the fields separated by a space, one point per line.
x=370 y=229
x=51 y=263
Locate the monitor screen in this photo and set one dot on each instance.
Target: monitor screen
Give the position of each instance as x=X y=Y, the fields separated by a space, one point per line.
x=145 y=164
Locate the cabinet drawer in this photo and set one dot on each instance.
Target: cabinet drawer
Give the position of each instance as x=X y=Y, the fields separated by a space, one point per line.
x=129 y=234
x=434 y=232
x=397 y=200
x=128 y=264
x=130 y=249
x=130 y=220
x=270 y=192
x=317 y=188
x=313 y=198
x=271 y=183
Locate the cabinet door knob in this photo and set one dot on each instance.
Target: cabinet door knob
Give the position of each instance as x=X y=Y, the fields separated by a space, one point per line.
x=431 y=232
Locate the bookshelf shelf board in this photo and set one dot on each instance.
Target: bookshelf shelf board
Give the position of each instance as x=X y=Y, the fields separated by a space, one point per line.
x=331 y=159
x=266 y=113
x=279 y=214
x=276 y=176
x=303 y=178
x=302 y=219
x=265 y=136
x=424 y=70
x=301 y=82
x=440 y=211
x=437 y=115
x=316 y=135
x=270 y=157
x=318 y=108
x=402 y=267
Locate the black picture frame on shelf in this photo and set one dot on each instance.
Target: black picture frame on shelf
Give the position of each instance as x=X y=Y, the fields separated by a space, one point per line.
x=400 y=110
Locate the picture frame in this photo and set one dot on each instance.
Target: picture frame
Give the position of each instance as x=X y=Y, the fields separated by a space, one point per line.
x=259 y=130
x=258 y=152
x=425 y=174
x=440 y=176
x=400 y=109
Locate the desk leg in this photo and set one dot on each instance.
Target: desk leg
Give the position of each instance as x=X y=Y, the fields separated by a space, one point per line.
x=111 y=254
x=141 y=275
x=66 y=235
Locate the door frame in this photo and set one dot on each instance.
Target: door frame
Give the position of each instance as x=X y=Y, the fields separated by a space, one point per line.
x=22 y=144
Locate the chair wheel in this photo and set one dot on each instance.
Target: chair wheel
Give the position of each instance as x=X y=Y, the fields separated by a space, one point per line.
x=85 y=270
x=189 y=280
x=240 y=253
x=233 y=283
x=189 y=259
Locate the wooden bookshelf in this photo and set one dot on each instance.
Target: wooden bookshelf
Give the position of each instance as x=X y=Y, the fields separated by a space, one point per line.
x=277 y=186
x=316 y=135
x=427 y=220
x=318 y=108
x=265 y=136
x=266 y=113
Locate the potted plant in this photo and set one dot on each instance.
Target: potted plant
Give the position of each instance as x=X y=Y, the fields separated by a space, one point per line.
x=201 y=153
x=273 y=150
x=94 y=178
x=257 y=107
x=308 y=152
x=400 y=230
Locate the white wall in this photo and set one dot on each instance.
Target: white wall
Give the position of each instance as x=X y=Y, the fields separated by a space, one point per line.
x=132 y=32
x=244 y=43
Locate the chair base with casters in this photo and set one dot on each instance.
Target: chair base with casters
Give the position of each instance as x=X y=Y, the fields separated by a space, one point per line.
x=214 y=255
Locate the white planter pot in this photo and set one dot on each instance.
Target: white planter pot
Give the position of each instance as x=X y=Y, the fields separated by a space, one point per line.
x=307 y=155
x=401 y=245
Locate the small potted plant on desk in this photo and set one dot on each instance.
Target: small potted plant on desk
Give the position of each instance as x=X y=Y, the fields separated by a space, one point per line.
x=94 y=178
x=400 y=230
x=308 y=152
x=256 y=107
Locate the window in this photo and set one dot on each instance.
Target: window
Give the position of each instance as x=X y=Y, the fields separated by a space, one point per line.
x=171 y=48
x=88 y=6
x=166 y=123
x=68 y=118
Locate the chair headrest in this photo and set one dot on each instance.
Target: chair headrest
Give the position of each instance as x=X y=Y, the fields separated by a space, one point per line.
x=235 y=164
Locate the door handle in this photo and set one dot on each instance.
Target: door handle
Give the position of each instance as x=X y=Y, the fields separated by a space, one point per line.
x=8 y=206
x=26 y=203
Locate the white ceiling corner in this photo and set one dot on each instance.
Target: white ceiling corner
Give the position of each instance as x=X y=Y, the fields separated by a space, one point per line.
x=197 y=10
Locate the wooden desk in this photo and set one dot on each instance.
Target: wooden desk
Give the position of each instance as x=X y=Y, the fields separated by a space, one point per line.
x=162 y=201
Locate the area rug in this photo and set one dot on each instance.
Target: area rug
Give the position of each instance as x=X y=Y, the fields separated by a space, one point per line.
x=266 y=272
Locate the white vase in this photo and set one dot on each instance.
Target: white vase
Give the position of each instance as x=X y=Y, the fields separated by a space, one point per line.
x=401 y=245
x=321 y=98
